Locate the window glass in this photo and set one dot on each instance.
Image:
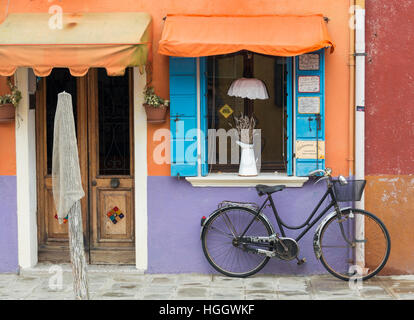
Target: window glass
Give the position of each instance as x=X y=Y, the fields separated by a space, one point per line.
x=270 y=114
x=114 y=124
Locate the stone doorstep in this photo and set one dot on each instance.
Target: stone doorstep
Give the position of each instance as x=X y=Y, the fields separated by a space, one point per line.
x=66 y=267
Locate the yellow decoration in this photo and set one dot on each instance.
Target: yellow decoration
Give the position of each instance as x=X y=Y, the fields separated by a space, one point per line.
x=226 y=111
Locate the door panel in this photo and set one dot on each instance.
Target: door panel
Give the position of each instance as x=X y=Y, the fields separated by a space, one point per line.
x=111 y=168
x=104 y=124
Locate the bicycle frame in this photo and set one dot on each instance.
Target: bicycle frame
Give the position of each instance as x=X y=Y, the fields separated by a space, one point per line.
x=307 y=223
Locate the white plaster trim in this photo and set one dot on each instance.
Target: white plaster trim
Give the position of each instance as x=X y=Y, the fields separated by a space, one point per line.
x=141 y=172
x=198 y=119
x=26 y=175
x=234 y=180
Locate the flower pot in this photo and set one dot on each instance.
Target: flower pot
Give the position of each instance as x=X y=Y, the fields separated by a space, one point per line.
x=155 y=115
x=7 y=112
x=248 y=166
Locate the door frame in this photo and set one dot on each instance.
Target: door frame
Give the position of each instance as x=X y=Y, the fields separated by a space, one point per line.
x=26 y=174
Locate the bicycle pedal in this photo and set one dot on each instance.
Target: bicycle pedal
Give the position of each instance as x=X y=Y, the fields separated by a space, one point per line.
x=301 y=261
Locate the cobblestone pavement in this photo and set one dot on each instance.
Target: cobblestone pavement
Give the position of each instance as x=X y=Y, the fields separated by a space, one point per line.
x=128 y=283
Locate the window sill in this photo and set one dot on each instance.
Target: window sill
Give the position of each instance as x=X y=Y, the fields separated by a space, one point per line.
x=234 y=180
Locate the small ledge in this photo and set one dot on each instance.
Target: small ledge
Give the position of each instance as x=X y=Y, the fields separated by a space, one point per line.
x=234 y=180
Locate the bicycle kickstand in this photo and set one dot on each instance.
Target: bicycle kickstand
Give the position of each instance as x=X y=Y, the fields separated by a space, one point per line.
x=300 y=261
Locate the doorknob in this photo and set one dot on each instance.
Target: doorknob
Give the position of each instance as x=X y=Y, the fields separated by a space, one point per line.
x=115 y=183
x=93 y=183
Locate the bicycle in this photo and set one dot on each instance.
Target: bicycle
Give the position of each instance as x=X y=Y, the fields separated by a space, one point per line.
x=238 y=240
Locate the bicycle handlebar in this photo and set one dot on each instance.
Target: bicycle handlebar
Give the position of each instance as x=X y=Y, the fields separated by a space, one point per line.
x=326 y=173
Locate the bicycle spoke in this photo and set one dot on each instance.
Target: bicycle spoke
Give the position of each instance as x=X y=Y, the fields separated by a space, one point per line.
x=221 y=245
x=222 y=232
x=366 y=254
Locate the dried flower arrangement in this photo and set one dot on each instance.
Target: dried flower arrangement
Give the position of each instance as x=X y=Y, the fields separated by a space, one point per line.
x=245 y=127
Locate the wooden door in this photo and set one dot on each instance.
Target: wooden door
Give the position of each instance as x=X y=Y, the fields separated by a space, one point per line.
x=52 y=236
x=104 y=124
x=111 y=180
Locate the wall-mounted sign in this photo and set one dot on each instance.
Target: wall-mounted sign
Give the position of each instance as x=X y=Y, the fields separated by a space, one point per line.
x=309 y=62
x=226 y=111
x=309 y=84
x=308 y=105
x=307 y=149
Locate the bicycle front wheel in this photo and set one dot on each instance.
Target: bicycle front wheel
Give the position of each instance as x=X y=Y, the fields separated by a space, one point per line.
x=221 y=245
x=356 y=244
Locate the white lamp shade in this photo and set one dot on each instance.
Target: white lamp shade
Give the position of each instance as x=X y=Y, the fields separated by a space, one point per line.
x=248 y=88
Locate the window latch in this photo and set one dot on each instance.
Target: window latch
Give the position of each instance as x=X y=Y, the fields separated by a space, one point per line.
x=310 y=119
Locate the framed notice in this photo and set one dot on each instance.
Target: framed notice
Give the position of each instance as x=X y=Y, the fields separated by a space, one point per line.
x=307 y=149
x=309 y=62
x=307 y=105
x=309 y=84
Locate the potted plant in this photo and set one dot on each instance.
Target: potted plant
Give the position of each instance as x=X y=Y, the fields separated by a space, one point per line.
x=9 y=102
x=155 y=106
x=245 y=127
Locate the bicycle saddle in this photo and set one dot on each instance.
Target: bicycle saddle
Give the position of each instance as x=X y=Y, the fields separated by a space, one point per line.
x=262 y=189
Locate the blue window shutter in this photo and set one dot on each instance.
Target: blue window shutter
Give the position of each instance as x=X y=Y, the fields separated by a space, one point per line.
x=307 y=123
x=289 y=112
x=204 y=116
x=183 y=116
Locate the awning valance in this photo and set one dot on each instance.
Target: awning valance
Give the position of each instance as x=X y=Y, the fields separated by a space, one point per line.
x=277 y=35
x=103 y=40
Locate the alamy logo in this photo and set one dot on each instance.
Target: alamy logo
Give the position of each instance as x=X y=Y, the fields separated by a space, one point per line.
x=56 y=20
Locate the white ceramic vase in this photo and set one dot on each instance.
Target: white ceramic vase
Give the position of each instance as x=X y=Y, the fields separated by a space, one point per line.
x=248 y=166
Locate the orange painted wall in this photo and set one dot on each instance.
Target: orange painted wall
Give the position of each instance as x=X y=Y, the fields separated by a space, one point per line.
x=337 y=84
x=7 y=141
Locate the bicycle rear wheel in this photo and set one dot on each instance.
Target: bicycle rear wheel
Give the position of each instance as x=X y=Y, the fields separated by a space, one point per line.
x=222 y=248
x=355 y=245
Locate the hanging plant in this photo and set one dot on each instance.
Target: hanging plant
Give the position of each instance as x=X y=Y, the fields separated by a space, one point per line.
x=155 y=106
x=9 y=102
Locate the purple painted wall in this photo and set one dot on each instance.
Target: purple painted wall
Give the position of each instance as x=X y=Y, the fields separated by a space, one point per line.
x=8 y=225
x=175 y=209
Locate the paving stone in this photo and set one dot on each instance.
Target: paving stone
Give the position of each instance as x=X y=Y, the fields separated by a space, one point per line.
x=221 y=281
x=155 y=296
x=252 y=284
x=192 y=292
x=127 y=286
x=294 y=296
x=261 y=297
x=224 y=293
x=194 y=279
x=163 y=280
x=117 y=294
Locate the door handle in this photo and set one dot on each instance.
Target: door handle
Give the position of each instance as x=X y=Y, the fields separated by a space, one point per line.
x=93 y=183
x=115 y=183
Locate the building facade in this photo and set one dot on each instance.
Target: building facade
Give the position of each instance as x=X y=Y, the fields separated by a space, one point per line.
x=389 y=129
x=163 y=202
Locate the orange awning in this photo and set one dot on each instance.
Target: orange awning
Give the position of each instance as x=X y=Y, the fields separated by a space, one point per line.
x=113 y=41
x=276 y=35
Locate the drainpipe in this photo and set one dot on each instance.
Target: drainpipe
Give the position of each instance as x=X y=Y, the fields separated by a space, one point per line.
x=360 y=117
x=351 y=131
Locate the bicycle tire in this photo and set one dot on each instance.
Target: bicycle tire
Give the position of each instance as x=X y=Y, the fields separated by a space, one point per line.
x=346 y=213
x=207 y=228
